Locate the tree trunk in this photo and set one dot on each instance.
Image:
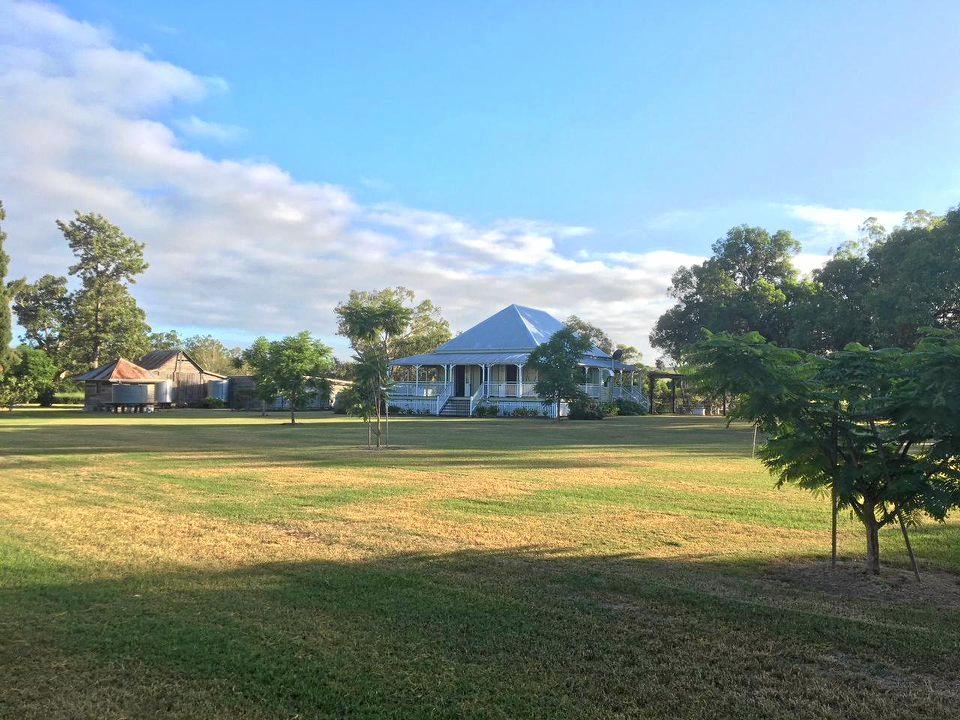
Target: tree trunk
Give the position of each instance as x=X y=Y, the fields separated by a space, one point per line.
x=873 y=540
x=557 y=418
x=833 y=524
x=293 y=418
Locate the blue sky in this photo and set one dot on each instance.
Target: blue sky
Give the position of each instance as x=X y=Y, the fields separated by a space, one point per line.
x=655 y=127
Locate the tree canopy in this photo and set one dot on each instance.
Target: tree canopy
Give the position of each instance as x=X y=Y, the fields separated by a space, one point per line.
x=43 y=310
x=294 y=368
x=392 y=321
x=881 y=290
x=744 y=286
x=877 y=427
x=557 y=361
x=105 y=320
x=383 y=326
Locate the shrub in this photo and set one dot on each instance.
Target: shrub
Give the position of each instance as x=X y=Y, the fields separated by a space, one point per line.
x=342 y=401
x=611 y=409
x=630 y=407
x=526 y=412
x=585 y=409
x=46 y=396
x=72 y=397
x=212 y=403
x=487 y=409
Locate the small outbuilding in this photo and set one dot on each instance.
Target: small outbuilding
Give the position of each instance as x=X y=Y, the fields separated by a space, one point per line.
x=191 y=383
x=123 y=386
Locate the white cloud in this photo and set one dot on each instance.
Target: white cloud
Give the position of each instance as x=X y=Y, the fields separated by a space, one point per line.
x=242 y=245
x=838 y=225
x=806 y=263
x=204 y=129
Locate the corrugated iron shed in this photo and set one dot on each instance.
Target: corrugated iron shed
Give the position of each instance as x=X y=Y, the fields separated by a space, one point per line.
x=120 y=370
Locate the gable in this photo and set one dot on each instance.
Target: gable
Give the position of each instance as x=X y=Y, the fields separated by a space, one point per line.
x=515 y=328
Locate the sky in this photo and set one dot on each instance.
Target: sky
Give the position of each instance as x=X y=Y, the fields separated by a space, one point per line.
x=566 y=156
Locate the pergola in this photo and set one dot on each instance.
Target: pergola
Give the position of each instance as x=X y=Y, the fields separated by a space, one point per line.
x=653 y=376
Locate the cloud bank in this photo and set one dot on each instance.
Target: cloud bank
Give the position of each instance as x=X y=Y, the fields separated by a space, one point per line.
x=241 y=247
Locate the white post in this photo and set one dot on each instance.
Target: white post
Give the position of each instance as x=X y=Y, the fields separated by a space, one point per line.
x=416 y=380
x=520 y=380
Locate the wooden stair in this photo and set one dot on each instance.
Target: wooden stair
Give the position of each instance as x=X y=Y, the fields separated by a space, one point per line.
x=456 y=407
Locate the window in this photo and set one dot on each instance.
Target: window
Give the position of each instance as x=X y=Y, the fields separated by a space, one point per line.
x=511 y=373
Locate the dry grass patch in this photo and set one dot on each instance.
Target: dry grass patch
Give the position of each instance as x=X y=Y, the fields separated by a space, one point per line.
x=222 y=564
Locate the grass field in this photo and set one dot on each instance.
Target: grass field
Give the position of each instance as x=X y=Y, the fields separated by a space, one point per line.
x=223 y=565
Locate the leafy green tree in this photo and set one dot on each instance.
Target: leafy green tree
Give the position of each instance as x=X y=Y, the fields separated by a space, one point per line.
x=876 y=428
x=832 y=310
x=746 y=285
x=164 y=340
x=105 y=320
x=399 y=327
x=557 y=362
x=294 y=368
x=14 y=391
x=213 y=355
x=42 y=309
x=37 y=373
x=369 y=395
x=628 y=353
x=6 y=321
x=596 y=336
x=917 y=279
x=382 y=327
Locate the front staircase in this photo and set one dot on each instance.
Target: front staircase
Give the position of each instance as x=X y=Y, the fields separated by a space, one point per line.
x=456 y=407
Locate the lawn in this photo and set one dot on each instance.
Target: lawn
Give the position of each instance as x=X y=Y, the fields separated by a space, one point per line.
x=223 y=565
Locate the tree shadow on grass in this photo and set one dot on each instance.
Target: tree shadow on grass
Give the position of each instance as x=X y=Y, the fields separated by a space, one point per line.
x=519 y=633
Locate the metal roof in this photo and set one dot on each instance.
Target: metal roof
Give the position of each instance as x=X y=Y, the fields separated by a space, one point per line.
x=494 y=358
x=156 y=358
x=120 y=370
x=505 y=338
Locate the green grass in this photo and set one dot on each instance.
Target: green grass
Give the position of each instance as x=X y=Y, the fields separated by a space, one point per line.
x=225 y=565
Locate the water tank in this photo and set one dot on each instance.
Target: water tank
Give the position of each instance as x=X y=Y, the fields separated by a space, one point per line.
x=124 y=394
x=217 y=389
x=164 y=392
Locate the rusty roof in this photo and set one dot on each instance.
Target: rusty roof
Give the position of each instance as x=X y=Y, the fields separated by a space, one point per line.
x=120 y=370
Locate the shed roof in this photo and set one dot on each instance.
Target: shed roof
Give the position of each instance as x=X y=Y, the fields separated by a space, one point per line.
x=157 y=358
x=120 y=370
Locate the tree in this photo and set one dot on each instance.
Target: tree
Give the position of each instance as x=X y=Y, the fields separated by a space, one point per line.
x=917 y=279
x=596 y=336
x=14 y=391
x=164 y=340
x=746 y=285
x=382 y=327
x=212 y=354
x=37 y=373
x=6 y=321
x=369 y=394
x=876 y=427
x=42 y=309
x=294 y=368
x=402 y=328
x=832 y=310
x=628 y=354
x=104 y=319
x=558 y=366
